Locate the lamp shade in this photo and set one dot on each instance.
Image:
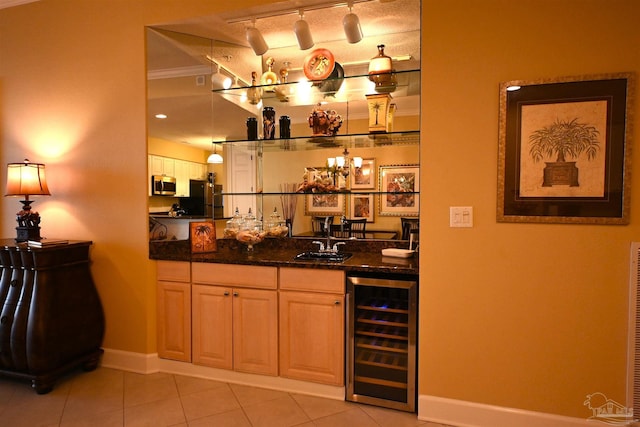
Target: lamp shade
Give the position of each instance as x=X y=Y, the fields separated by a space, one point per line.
x=25 y=179
x=303 y=34
x=214 y=158
x=352 y=28
x=256 y=41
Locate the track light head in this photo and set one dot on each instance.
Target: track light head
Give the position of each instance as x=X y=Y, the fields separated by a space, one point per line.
x=303 y=33
x=352 y=29
x=256 y=41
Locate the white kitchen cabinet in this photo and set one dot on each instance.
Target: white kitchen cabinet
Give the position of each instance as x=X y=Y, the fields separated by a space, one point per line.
x=182 y=178
x=197 y=171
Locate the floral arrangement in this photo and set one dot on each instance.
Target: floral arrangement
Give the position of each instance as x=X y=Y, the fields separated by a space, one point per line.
x=324 y=122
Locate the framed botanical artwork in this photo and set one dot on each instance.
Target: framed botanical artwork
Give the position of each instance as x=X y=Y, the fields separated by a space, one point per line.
x=563 y=154
x=364 y=177
x=399 y=190
x=361 y=206
x=324 y=204
x=202 y=236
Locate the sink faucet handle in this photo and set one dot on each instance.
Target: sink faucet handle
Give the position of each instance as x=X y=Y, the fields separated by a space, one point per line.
x=335 y=246
x=321 y=248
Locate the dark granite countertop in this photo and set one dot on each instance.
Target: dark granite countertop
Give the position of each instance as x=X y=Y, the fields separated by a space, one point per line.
x=367 y=256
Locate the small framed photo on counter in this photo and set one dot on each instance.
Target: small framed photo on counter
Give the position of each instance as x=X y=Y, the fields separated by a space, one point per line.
x=202 y=235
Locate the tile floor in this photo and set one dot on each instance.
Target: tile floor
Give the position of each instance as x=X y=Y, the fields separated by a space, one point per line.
x=112 y=398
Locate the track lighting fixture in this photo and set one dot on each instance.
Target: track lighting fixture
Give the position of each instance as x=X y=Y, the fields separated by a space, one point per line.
x=220 y=80
x=255 y=39
x=351 y=25
x=303 y=33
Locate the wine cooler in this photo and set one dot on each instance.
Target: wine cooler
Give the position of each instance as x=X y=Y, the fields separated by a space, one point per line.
x=381 y=342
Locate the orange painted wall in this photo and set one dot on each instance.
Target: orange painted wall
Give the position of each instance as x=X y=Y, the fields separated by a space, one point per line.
x=529 y=316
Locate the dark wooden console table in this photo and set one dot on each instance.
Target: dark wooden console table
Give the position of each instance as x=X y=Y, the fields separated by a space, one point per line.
x=51 y=319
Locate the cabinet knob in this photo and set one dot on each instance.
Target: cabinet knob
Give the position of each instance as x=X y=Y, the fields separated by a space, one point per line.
x=226 y=293
x=235 y=294
x=337 y=302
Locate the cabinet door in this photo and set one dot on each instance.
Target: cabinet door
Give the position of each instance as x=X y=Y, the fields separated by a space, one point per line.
x=255 y=331
x=212 y=329
x=174 y=320
x=156 y=165
x=197 y=170
x=182 y=178
x=312 y=337
x=168 y=166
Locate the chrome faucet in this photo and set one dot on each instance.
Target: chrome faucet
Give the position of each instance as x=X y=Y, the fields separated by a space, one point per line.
x=327 y=229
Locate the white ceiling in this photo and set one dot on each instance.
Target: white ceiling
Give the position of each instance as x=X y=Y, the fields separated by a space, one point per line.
x=186 y=59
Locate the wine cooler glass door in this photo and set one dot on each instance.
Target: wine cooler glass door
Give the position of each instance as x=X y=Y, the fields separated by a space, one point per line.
x=382 y=342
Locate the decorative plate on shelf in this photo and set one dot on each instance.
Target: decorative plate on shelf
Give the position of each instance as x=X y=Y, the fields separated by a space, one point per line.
x=319 y=64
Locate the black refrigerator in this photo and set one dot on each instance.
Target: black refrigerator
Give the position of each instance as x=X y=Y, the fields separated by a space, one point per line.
x=201 y=201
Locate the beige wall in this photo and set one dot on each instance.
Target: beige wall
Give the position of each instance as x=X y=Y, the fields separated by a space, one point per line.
x=527 y=316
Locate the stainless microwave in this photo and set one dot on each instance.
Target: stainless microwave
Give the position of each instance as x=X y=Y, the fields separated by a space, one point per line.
x=162 y=185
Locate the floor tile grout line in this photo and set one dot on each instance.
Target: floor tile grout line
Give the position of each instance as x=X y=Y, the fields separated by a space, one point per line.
x=184 y=413
x=240 y=404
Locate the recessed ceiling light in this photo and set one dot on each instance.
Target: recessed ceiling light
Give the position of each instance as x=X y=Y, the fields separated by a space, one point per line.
x=161 y=116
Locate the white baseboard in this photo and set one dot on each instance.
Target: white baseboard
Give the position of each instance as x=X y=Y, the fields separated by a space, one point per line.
x=151 y=363
x=139 y=363
x=470 y=414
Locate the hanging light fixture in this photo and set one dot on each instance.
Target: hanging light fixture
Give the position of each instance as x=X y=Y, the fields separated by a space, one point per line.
x=303 y=33
x=214 y=157
x=255 y=39
x=351 y=25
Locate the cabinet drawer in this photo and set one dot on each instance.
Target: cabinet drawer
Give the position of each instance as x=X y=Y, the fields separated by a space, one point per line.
x=248 y=276
x=314 y=280
x=173 y=271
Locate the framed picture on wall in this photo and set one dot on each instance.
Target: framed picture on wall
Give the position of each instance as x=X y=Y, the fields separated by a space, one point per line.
x=399 y=190
x=361 y=206
x=324 y=204
x=562 y=154
x=364 y=177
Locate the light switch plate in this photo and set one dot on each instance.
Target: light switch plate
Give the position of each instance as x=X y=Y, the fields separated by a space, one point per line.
x=460 y=216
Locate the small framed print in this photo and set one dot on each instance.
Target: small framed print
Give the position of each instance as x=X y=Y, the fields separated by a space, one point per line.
x=361 y=206
x=324 y=204
x=399 y=190
x=364 y=177
x=203 y=236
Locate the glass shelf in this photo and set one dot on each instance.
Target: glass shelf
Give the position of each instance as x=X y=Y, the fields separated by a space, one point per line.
x=303 y=143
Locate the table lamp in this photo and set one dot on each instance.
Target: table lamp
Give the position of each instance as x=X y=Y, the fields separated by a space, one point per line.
x=27 y=179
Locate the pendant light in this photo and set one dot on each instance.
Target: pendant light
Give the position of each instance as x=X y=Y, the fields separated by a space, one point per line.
x=303 y=33
x=351 y=25
x=214 y=157
x=256 y=41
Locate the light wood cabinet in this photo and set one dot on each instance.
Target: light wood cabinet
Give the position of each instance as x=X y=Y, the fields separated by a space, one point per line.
x=311 y=316
x=235 y=327
x=174 y=310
